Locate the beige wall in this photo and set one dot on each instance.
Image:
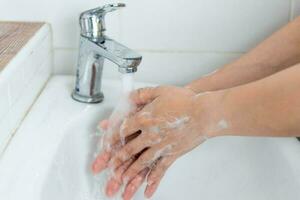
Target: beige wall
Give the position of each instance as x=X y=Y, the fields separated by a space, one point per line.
x=187 y=37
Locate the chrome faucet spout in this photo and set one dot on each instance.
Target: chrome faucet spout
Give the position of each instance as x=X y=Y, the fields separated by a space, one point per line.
x=125 y=58
x=95 y=46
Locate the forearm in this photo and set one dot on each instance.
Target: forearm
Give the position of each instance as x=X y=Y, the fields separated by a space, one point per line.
x=276 y=53
x=268 y=107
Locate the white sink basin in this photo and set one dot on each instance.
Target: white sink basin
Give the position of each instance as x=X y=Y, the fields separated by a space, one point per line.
x=50 y=157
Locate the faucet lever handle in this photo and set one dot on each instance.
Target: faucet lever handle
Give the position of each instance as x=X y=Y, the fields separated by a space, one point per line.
x=92 y=21
x=109 y=8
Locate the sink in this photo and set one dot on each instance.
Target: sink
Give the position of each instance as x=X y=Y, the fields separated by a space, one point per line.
x=51 y=153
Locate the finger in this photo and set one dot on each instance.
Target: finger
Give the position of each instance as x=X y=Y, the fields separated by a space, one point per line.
x=113 y=185
x=131 y=126
x=134 y=184
x=134 y=147
x=156 y=174
x=116 y=136
x=144 y=96
x=104 y=124
x=110 y=130
x=103 y=158
x=101 y=162
x=145 y=160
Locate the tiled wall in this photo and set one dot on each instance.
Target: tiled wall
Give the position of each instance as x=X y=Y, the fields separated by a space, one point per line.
x=179 y=39
x=22 y=80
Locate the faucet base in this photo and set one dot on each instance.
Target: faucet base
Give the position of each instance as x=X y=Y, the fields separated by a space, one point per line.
x=84 y=99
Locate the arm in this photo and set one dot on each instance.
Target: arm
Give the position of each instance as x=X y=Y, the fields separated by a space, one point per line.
x=268 y=107
x=176 y=120
x=241 y=107
x=278 y=52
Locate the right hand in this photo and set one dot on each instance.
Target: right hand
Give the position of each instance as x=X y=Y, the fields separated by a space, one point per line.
x=102 y=160
x=115 y=182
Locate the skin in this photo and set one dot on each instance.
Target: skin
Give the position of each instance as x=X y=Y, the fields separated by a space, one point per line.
x=248 y=93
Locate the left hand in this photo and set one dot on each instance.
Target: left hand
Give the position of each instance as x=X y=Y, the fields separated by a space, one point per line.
x=173 y=122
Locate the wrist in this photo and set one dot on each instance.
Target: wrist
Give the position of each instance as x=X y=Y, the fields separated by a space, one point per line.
x=203 y=84
x=210 y=113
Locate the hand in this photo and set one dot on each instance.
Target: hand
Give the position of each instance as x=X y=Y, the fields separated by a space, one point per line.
x=111 y=128
x=123 y=109
x=172 y=122
x=114 y=183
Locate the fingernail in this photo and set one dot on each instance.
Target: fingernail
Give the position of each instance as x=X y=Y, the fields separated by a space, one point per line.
x=129 y=192
x=109 y=192
x=113 y=189
x=150 y=190
x=150 y=183
x=132 y=188
x=147 y=197
x=99 y=130
x=94 y=167
x=97 y=167
x=148 y=193
x=111 y=165
x=125 y=180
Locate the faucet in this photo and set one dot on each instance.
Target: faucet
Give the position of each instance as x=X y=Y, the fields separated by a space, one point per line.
x=95 y=46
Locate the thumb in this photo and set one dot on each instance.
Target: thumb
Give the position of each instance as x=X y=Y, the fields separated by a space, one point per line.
x=144 y=96
x=104 y=124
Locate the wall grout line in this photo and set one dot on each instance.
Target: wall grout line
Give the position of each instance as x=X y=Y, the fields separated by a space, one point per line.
x=188 y=51
x=166 y=51
x=120 y=18
x=15 y=130
x=292 y=6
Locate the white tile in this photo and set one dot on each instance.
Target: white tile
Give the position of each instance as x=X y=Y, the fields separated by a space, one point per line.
x=4 y=99
x=208 y=25
x=27 y=98
x=23 y=73
x=295 y=8
x=5 y=133
x=37 y=56
x=63 y=16
x=22 y=80
x=164 y=68
x=34 y=43
x=16 y=114
x=16 y=84
x=65 y=61
x=180 y=68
